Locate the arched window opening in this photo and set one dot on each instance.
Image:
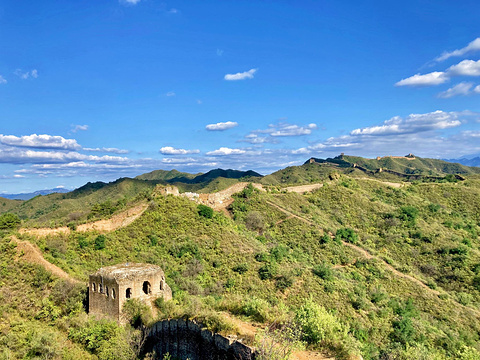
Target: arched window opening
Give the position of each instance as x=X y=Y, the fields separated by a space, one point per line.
x=147 y=287
x=113 y=293
x=128 y=293
x=100 y=288
x=106 y=290
x=93 y=287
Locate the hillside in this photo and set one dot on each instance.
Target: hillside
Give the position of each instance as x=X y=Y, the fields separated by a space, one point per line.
x=408 y=165
x=401 y=265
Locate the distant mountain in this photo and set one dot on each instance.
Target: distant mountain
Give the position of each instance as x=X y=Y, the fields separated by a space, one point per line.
x=174 y=176
x=467 y=162
x=28 y=196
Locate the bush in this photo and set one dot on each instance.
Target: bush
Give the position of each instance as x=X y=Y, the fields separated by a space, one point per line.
x=205 y=211
x=241 y=269
x=317 y=324
x=323 y=271
x=137 y=313
x=99 y=243
x=267 y=271
x=346 y=234
x=283 y=282
x=9 y=221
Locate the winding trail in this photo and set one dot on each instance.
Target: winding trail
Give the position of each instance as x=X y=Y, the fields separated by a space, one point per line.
x=117 y=221
x=29 y=252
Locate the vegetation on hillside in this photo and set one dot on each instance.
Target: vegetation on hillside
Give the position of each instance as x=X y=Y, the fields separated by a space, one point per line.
x=355 y=267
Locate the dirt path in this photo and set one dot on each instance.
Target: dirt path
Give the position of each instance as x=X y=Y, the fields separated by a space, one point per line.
x=115 y=222
x=302 y=189
x=392 y=184
x=28 y=252
x=368 y=255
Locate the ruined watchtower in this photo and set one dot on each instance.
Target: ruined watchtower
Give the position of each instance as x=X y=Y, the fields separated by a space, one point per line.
x=111 y=286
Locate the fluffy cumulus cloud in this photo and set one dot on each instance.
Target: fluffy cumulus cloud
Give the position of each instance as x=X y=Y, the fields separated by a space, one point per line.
x=477 y=89
x=284 y=129
x=423 y=134
x=241 y=75
x=275 y=131
x=465 y=68
x=433 y=78
x=2 y=80
x=226 y=151
x=221 y=126
x=414 y=123
x=40 y=141
x=168 y=150
x=471 y=47
x=460 y=89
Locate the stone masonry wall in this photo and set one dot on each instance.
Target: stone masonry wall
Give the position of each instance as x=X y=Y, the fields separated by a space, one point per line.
x=185 y=339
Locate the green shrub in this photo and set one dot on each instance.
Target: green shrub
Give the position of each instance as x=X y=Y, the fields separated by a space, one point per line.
x=317 y=324
x=82 y=242
x=346 y=234
x=283 y=282
x=241 y=269
x=205 y=211
x=99 y=243
x=9 y=221
x=279 y=252
x=323 y=271
x=268 y=271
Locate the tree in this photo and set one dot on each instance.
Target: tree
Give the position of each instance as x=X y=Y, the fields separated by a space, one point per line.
x=100 y=242
x=205 y=211
x=9 y=221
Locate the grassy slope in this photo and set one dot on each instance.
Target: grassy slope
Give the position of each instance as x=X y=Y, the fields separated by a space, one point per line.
x=60 y=209
x=200 y=256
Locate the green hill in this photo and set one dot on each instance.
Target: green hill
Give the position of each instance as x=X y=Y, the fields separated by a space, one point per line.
x=274 y=262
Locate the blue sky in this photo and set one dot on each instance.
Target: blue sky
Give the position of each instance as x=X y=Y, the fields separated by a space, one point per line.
x=99 y=89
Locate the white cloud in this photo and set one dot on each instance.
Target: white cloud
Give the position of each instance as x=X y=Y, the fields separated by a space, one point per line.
x=281 y=129
x=433 y=78
x=199 y=102
x=293 y=130
x=40 y=141
x=477 y=89
x=79 y=128
x=413 y=123
x=219 y=52
x=473 y=46
x=26 y=75
x=221 y=126
x=241 y=76
x=105 y=149
x=226 y=151
x=465 y=68
x=2 y=80
x=24 y=156
x=168 y=150
x=170 y=93
x=171 y=11
x=460 y=89
x=130 y=2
